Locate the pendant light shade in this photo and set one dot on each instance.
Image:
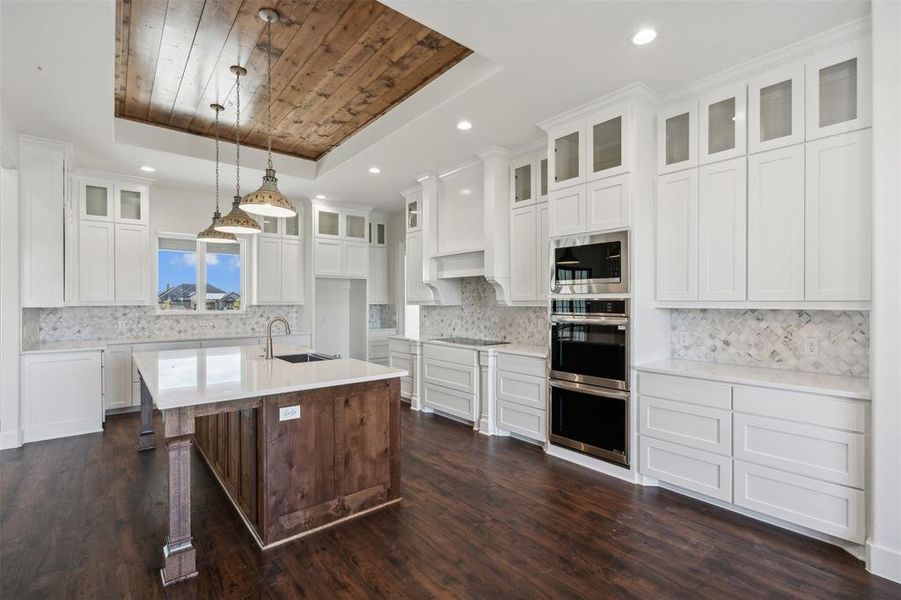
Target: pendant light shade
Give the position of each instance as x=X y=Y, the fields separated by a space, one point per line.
x=268 y=200
x=210 y=234
x=237 y=221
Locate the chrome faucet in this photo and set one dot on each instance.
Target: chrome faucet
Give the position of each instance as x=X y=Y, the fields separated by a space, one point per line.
x=269 y=338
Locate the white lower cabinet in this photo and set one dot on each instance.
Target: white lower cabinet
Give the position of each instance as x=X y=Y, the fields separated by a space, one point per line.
x=523 y=420
x=833 y=509
x=118 y=378
x=521 y=396
x=450 y=380
x=401 y=356
x=379 y=346
x=796 y=456
x=62 y=394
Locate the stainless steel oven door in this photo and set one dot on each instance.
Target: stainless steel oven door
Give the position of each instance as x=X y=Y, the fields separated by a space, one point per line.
x=591 y=420
x=596 y=264
x=592 y=350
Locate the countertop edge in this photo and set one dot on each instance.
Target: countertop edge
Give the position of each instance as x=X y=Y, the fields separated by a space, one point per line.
x=102 y=344
x=828 y=389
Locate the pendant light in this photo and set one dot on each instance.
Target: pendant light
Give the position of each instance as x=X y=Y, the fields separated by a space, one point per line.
x=268 y=200
x=237 y=221
x=210 y=234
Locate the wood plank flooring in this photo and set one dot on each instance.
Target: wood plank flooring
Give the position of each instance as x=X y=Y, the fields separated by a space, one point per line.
x=84 y=517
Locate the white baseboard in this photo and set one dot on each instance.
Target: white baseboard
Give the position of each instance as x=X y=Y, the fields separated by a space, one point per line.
x=624 y=473
x=11 y=439
x=884 y=562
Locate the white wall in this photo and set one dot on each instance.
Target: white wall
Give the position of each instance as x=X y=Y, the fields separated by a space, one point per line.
x=884 y=543
x=9 y=141
x=184 y=211
x=10 y=310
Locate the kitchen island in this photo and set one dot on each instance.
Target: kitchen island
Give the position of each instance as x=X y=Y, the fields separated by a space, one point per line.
x=297 y=446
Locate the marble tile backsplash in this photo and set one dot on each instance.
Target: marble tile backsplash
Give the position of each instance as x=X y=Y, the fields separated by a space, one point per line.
x=775 y=339
x=31 y=326
x=142 y=322
x=480 y=316
x=382 y=316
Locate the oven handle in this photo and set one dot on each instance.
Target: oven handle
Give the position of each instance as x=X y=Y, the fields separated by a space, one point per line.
x=590 y=390
x=590 y=320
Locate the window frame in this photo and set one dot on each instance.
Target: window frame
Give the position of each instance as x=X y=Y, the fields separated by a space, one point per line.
x=200 y=249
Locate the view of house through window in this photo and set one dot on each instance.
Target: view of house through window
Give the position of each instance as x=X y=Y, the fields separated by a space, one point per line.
x=179 y=278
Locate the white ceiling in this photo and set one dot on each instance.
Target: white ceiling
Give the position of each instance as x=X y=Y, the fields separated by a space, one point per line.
x=536 y=59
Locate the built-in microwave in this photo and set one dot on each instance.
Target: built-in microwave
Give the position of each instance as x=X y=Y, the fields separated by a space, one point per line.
x=596 y=264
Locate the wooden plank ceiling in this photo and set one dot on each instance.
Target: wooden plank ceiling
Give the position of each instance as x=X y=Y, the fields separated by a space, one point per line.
x=336 y=66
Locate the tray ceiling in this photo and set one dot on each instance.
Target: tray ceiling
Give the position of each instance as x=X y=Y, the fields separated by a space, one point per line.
x=336 y=66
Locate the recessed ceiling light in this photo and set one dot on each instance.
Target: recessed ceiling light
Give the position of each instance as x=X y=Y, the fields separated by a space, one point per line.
x=148 y=169
x=466 y=191
x=644 y=36
x=319 y=197
x=375 y=170
x=464 y=125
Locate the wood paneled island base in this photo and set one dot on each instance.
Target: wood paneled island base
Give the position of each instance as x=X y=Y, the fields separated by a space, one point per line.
x=289 y=478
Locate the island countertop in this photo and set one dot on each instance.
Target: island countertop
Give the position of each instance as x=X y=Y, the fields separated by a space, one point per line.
x=181 y=378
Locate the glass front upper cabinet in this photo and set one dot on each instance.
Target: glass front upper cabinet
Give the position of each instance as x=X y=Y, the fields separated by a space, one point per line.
x=566 y=156
x=413 y=215
x=96 y=200
x=677 y=141
x=776 y=109
x=838 y=90
x=269 y=225
x=542 y=172
x=523 y=192
x=328 y=222
x=294 y=224
x=608 y=143
x=355 y=227
x=378 y=233
x=132 y=203
x=722 y=120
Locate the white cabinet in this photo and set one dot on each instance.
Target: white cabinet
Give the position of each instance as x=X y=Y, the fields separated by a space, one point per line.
x=567 y=211
x=379 y=291
x=356 y=259
x=118 y=378
x=722 y=124
x=279 y=261
x=450 y=377
x=62 y=394
x=413 y=211
x=567 y=155
x=607 y=204
x=837 y=217
x=329 y=255
x=523 y=177
x=677 y=236
x=521 y=396
x=523 y=254
x=677 y=137
x=132 y=250
x=838 y=90
x=776 y=108
x=403 y=354
x=416 y=289
x=703 y=472
x=96 y=258
x=609 y=138
x=776 y=224
x=722 y=214
x=44 y=168
x=327 y=222
x=95 y=199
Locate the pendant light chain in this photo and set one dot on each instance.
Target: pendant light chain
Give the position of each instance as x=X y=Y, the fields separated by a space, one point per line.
x=238 y=134
x=269 y=95
x=217 y=160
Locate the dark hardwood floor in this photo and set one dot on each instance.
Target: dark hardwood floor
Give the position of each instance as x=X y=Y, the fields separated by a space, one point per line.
x=84 y=517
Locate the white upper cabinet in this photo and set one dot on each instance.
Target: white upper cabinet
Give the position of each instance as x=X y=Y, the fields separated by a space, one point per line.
x=542 y=176
x=102 y=199
x=607 y=204
x=677 y=236
x=677 y=137
x=341 y=247
x=416 y=290
x=355 y=226
x=326 y=222
x=132 y=204
x=776 y=225
x=279 y=260
x=329 y=258
x=523 y=254
x=522 y=181
x=97 y=266
x=356 y=260
x=776 y=109
x=567 y=153
x=567 y=216
x=837 y=216
x=414 y=214
x=292 y=271
x=132 y=263
x=96 y=199
x=378 y=233
x=379 y=290
x=722 y=124
x=609 y=138
x=722 y=214
x=269 y=270
x=838 y=90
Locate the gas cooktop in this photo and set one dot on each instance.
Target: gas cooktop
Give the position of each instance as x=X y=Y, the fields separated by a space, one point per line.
x=465 y=341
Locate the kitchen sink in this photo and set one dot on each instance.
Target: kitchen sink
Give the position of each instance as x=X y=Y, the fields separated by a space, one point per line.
x=304 y=358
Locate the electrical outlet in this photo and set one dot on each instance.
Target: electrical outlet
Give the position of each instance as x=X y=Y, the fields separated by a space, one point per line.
x=289 y=413
x=811 y=346
x=684 y=338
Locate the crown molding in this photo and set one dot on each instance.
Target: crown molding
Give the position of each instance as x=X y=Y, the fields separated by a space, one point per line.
x=634 y=91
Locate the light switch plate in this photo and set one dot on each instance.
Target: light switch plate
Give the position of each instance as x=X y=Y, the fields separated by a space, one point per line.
x=811 y=346
x=289 y=413
x=684 y=338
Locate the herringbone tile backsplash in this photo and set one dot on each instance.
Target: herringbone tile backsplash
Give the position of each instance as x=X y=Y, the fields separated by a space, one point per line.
x=775 y=339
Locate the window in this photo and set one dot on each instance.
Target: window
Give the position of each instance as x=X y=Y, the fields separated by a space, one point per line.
x=179 y=276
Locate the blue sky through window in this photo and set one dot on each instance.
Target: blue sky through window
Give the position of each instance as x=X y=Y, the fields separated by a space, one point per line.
x=176 y=267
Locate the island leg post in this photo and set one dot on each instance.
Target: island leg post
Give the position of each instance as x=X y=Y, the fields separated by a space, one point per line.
x=178 y=552
x=147 y=438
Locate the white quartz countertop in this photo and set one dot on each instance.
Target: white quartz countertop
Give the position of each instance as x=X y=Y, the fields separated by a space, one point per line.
x=180 y=378
x=101 y=344
x=833 y=385
x=519 y=349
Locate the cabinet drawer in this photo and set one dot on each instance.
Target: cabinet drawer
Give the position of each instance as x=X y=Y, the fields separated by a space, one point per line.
x=692 y=469
x=827 y=411
x=452 y=402
x=406 y=387
x=450 y=375
x=523 y=420
x=825 y=507
x=827 y=454
x=378 y=349
x=401 y=361
x=697 y=426
x=527 y=365
x=716 y=395
x=462 y=356
x=525 y=390
x=402 y=346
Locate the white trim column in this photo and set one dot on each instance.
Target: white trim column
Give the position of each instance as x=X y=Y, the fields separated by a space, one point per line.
x=487 y=423
x=884 y=541
x=10 y=310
